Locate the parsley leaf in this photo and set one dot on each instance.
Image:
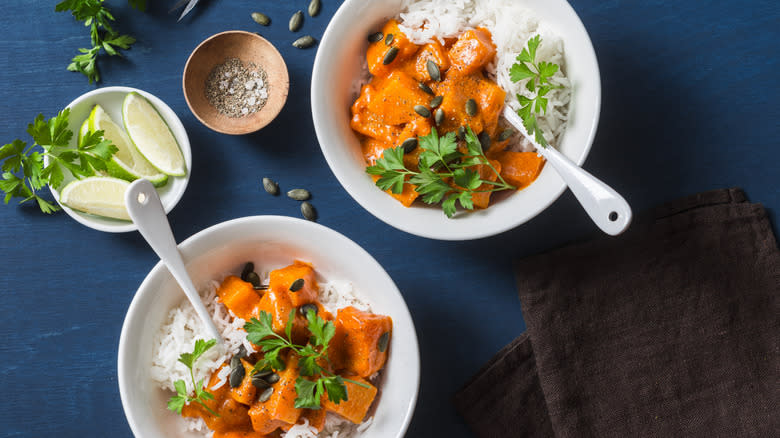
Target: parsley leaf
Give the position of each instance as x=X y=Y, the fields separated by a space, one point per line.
x=182 y=397
x=538 y=75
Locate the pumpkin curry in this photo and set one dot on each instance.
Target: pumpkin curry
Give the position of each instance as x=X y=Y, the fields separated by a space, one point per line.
x=257 y=403
x=443 y=86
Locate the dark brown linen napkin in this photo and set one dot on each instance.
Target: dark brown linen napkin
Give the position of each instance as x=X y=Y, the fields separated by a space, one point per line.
x=668 y=330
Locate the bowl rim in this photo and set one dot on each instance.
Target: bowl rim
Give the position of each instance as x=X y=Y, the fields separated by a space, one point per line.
x=264 y=221
x=318 y=101
x=248 y=130
x=184 y=144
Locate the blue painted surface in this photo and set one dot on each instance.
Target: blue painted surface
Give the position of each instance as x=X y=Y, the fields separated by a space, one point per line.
x=690 y=103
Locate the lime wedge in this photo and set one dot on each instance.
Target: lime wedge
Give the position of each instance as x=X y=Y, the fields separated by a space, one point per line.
x=83 y=130
x=127 y=163
x=98 y=195
x=151 y=135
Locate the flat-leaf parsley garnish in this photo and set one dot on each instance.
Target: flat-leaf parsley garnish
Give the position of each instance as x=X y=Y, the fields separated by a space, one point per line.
x=182 y=397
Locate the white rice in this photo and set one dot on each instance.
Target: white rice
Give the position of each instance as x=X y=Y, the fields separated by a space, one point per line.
x=511 y=25
x=183 y=327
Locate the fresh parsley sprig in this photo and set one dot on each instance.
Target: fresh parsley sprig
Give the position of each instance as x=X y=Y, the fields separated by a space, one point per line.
x=310 y=391
x=103 y=36
x=538 y=75
x=23 y=172
x=182 y=397
x=439 y=161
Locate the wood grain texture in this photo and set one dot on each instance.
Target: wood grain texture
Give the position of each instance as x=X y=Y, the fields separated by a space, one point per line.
x=689 y=104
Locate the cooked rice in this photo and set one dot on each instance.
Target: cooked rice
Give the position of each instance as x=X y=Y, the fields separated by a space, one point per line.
x=183 y=327
x=511 y=25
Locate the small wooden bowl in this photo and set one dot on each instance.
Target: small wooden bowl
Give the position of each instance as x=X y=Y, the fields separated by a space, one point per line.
x=248 y=47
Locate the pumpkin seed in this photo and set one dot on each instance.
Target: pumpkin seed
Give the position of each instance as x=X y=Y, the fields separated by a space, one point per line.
x=264 y=373
x=461 y=133
x=272 y=378
x=439 y=116
x=308 y=211
x=484 y=140
x=261 y=18
x=422 y=110
x=297 y=285
x=471 y=107
x=249 y=267
x=436 y=101
x=390 y=55
x=505 y=134
x=265 y=395
x=306 y=307
x=409 y=144
x=261 y=287
x=304 y=42
x=270 y=186
x=314 y=8
x=389 y=39
x=425 y=88
x=381 y=344
x=299 y=194
x=253 y=278
x=237 y=375
x=296 y=21
x=235 y=361
x=259 y=382
x=375 y=37
x=433 y=70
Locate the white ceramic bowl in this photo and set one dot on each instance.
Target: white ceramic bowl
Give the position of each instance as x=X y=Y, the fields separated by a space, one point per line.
x=270 y=242
x=111 y=98
x=338 y=64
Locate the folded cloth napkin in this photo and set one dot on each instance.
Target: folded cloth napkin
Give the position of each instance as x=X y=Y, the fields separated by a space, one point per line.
x=668 y=330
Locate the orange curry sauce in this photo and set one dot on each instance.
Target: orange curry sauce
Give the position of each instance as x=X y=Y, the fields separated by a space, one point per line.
x=353 y=353
x=383 y=115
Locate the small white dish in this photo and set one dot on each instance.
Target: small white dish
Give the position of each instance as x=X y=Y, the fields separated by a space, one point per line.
x=111 y=98
x=338 y=65
x=270 y=242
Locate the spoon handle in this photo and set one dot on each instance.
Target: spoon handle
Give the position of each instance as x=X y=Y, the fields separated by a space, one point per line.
x=604 y=205
x=146 y=210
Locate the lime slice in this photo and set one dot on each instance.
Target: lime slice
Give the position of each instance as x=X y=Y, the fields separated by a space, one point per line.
x=127 y=163
x=98 y=195
x=83 y=130
x=151 y=135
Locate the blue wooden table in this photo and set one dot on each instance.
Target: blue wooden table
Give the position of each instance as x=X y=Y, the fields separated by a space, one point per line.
x=690 y=103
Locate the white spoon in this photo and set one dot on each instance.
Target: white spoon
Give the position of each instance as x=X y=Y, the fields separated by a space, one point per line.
x=146 y=210
x=603 y=204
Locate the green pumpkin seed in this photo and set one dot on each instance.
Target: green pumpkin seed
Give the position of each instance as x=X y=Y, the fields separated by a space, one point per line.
x=249 y=267
x=436 y=101
x=381 y=344
x=272 y=378
x=259 y=382
x=308 y=307
x=461 y=133
x=265 y=395
x=296 y=21
x=237 y=375
x=270 y=186
x=409 y=144
x=375 y=37
x=425 y=88
x=390 y=55
x=484 y=140
x=314 y=8
x=304 y=42
x=505 y=134
x=439 y=116
x=299 y=194
x=471 y=107
x=308 y=211
x=422 y=110
x=389 y=39
x=264 y=373
x=297 y=285
x=433 y=70
x=253 y=278
x=261 y=18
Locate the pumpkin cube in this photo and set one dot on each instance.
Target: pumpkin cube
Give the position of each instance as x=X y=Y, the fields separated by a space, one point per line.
x=362 y=338
x=239 y=296
x=473 y=50
x=279 y=410
x=282 y=281
x=358 y=401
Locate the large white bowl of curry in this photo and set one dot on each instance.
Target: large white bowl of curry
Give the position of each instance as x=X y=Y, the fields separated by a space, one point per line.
x=340 y=63
x=270 y=242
